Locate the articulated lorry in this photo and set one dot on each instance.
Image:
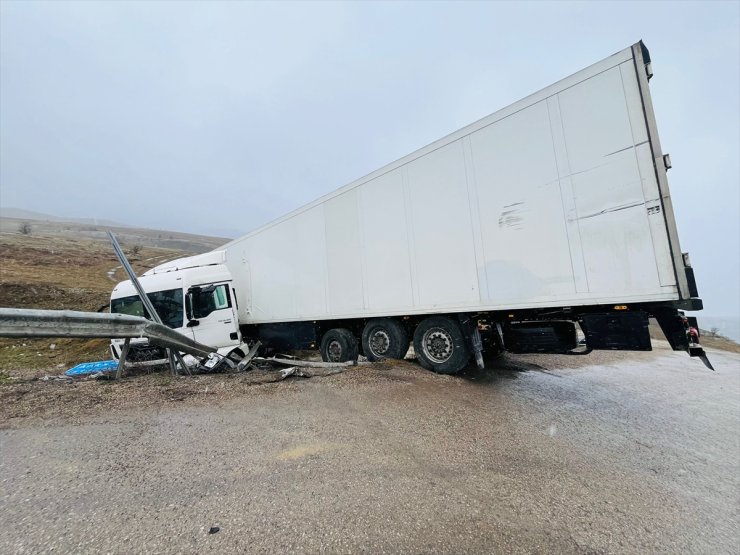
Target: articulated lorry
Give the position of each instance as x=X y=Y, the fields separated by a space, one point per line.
x=550 y=215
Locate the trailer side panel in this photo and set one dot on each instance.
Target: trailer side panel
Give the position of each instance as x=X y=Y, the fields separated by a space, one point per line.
x=553 y=201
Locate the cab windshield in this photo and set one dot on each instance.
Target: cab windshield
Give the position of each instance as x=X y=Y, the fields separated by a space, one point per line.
x=168 y=304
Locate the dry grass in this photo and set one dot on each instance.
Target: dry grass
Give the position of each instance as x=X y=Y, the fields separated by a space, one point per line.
x=63 y=263
x=719 y=342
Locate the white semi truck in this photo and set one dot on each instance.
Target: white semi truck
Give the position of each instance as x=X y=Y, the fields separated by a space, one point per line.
x=549 y=214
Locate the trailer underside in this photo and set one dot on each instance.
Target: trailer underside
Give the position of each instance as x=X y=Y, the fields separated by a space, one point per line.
x=447 y=342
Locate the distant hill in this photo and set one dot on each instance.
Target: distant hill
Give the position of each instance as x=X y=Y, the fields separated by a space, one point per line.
x=22 y=214
x=45 y=225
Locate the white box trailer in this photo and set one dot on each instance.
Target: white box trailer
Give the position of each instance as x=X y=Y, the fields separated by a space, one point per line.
x=551 y=211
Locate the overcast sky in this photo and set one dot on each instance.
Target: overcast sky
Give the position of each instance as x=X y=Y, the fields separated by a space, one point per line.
x=215 y=118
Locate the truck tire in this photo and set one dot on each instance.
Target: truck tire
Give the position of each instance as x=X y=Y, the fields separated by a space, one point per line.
x=338 y=345
x=384 y=338
x=440 y=345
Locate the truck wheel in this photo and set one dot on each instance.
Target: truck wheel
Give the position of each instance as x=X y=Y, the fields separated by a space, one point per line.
x=384 y=338
x=338 y=345
x=440 y=345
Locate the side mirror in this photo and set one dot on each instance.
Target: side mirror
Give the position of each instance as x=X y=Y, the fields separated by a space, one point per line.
x=193 y=323
x=189 y=306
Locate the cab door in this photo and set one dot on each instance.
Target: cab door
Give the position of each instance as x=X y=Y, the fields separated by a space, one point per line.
x=212 y=315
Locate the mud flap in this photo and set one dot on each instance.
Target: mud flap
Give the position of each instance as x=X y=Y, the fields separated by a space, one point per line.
x=680 y=332
x=697 y=350
x=472 y=335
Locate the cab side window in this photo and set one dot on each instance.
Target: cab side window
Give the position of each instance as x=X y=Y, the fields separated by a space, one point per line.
x=205 y=302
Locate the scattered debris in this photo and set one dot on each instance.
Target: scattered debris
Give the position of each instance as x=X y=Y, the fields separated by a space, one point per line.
x=285 y=372
x=267 y=369
x=90 y=368
x=49 y=378
x=213 y=529
x=313 y=363
x=304 y=373
x=244 y=364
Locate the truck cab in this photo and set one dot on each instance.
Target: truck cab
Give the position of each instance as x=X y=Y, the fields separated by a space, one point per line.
x=194 y=296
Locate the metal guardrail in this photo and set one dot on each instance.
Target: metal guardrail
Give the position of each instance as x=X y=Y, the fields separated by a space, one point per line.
x=22 y=322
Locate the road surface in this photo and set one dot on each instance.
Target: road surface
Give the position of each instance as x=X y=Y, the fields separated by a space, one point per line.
x=622 y=454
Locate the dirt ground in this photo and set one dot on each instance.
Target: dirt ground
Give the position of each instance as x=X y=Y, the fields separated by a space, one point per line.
x=606 y=453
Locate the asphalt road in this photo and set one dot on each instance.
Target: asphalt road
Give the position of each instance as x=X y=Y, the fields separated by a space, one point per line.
x=623 y=454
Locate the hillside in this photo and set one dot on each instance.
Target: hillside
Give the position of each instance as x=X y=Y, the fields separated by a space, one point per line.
x=64 y=265
x=23 y=214
x=127 y=235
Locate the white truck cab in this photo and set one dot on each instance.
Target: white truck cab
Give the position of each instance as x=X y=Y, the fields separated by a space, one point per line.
x=194 y=296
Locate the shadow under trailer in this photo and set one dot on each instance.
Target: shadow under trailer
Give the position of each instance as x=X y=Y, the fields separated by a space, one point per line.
x=509 y=234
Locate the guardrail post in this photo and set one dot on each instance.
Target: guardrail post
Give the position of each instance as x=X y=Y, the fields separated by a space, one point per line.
x=122 y=359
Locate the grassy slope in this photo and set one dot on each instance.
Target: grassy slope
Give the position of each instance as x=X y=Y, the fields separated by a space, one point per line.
x=62 y=271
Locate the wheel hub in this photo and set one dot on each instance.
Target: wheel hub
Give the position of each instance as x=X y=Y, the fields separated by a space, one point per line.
x=334 y=351
x=438 y=345
x=380 y=342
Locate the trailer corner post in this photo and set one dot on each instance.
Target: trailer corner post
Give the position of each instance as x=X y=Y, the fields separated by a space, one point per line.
x=643 y=68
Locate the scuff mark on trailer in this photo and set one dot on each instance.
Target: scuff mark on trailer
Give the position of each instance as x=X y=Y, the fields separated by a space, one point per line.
x=511 y=217
x=625 y=148
x=609 y=210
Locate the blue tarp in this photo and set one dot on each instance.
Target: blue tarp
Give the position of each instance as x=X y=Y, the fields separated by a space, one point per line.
x=87 y=368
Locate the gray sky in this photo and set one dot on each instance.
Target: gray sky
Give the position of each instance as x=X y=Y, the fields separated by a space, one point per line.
x=215 y=118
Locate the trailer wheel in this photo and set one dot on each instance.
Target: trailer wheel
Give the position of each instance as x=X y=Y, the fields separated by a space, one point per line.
x=440 y=345
x=384 y=338
x=338 y=345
